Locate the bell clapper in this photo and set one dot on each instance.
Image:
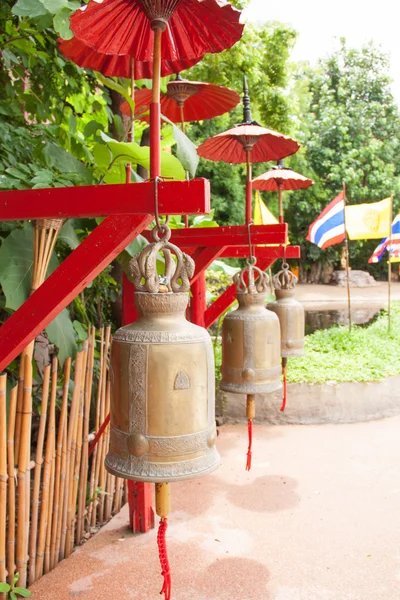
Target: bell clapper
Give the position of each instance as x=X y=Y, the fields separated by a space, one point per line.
x=163 y=507
x=251 y=413
x=284 y=373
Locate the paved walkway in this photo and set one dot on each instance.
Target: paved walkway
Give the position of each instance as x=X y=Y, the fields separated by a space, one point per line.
x=318 y=518
x=325 y=297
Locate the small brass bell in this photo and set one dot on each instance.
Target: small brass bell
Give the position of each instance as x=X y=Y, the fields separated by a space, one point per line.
x=290 y=313
x=251 y=339
x=162 y=378
x=251 y=344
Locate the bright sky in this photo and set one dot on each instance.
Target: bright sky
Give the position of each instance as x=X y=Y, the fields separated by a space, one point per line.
x=319 y=22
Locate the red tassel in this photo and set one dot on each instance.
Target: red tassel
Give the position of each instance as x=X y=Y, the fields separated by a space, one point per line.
x=284 y=393
x=249 y=453
x=162 y=551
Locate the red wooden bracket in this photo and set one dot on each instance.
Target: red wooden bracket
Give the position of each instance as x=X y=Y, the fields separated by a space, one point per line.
x=198 y=300
x=224 y=301
x=235 y=235
x=204 y=258
x=67 y=281
x=174 y=198
x=271 y=252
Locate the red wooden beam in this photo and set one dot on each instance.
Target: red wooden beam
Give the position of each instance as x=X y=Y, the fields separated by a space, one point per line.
x=235 y=235
x=225 y=300
x=272 y=252
x=67 y=281
x=174 y=198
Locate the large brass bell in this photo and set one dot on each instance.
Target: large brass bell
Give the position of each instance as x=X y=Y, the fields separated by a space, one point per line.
x=162 y=378
x=251 y=344
x=290 y=313
x=291 y=318
x=251 y=339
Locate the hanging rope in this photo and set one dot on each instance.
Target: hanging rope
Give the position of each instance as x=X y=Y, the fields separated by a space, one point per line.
x=162 y=551
x=249 y=450
x=284 y=373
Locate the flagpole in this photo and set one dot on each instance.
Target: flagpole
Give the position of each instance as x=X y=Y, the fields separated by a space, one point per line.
x=346 y=243
x=390 y=264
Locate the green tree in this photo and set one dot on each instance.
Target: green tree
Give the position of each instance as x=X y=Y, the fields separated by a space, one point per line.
x=350 y=128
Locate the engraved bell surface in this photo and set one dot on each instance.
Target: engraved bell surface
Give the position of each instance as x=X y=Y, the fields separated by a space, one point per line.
x=290 y=313
x=251 y=341
x=162 y=388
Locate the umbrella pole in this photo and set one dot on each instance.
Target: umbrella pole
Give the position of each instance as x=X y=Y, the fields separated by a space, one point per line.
x=155 y=114
x=280 y=202
x=249 y=190
x=181 y=110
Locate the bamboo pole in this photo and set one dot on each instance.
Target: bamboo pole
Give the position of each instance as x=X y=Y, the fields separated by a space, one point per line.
x=59 y=553
x=37 y=475
x=47 y=468
x=11 y=484
x=23 y=459
x=71 y=452
x=94 y=477
x=58 y=484
x=102 y=441
x=78 y=446
x=46 y=562
x=85 y=441
x=3 y=475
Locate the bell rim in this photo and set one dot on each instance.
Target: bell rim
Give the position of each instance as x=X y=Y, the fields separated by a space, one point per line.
x=240 y=388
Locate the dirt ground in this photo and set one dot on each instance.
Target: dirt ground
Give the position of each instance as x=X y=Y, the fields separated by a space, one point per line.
x=317 y=518
x=324 y=297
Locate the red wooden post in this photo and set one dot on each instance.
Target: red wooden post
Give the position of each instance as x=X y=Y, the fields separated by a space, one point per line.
x=198 y=300
x=140 y=495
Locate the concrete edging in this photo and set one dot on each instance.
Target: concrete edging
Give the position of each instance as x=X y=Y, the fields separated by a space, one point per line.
x=329 y=402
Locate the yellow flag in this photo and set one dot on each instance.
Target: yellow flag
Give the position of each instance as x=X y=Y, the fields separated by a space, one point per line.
x=262 y=215
x=369 y=221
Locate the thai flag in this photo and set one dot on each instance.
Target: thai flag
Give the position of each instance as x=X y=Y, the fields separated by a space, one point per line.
x=393 y=248
x=329 y=228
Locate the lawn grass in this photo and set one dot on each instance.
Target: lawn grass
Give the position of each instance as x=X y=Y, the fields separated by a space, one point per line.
x=368 y=353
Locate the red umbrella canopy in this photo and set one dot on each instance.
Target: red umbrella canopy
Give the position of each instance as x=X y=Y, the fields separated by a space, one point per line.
x=115 y=65
x=192 y=28
x=233 y=145
x=281 y=178
x=188 y=101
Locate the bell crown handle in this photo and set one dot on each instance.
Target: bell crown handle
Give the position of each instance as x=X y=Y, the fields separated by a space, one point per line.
x=285 y=279
x=177 y=272
x=253 y=286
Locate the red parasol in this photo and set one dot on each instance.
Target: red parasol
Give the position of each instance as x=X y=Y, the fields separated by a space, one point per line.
x=117 y=65
x=188 y=101
x=248 y=143
x=135 y=27
x=279 y=179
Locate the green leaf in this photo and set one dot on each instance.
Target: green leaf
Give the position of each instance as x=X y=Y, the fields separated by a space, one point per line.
x=64 y=162
x=221 y=266
x=68 y=235
x=42 y=179
x=23 y=592
x=170 y=165
x=102 y=155
x=29 y=8
x=16 y=259
x=5 y=587
x=205 y=220
x=117 y=87
x=54 y=6
x=62 y=334
x=81 y=332
x=185 y=149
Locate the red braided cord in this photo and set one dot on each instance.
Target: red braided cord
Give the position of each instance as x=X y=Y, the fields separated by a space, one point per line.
x=162 y=551
x=249 y=453
x=284 y=393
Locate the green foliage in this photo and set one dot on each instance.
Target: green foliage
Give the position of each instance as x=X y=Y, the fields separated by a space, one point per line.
x=349 y=123
x=12 y=591
x=364 y=354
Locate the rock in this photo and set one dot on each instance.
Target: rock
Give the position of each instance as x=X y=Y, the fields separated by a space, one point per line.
x=357 y=279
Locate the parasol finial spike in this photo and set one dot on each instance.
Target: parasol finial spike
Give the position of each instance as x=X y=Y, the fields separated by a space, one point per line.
x=178 y=77
x=279 y=164
x=247 y=118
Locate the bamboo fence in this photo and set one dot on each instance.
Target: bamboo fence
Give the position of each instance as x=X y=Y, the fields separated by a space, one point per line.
x=53 y=496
